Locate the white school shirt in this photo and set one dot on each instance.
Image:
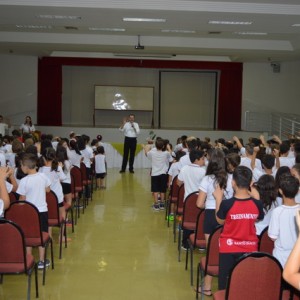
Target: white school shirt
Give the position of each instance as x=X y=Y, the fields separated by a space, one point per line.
x=3 y=128
x=129 y=131
x=67 y=171
x=2 y=160
x=287 y=161
x=159 y=161
x=33 y=187
x=26 y=128
x=256 y=173
x=208 y=186
x=173 y=171
x=262 y=224
x=55 y=178
x=246 y=161
x=87 y=154
x=191 y=175
x=75 y=158
x=100 y=164
x=282 y=228
x=229 y=192
x=184 y=161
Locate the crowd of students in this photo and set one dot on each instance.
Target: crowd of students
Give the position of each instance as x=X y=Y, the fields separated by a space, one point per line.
x=31 y=167
x=245 y=187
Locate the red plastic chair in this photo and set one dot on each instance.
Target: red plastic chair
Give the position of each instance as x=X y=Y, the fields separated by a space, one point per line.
x=196 y=240
x=172 y=199
x=26 y=215
x=189 y=217
x=179 y=209
x=256 y=276
x=265 y=244
x=209 y=264
x=54 y=219
x=13 y=257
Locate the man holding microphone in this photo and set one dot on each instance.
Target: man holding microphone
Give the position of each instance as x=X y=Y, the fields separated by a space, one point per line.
x=130 y=129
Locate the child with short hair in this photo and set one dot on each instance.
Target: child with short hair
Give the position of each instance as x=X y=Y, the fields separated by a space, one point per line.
x=282 y=228
x=100 y=167
x=238 y=215
x=33 y=188
x=159 y=178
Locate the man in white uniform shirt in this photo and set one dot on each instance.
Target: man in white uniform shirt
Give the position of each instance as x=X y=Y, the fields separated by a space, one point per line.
x=3 y=126
x=130 y=129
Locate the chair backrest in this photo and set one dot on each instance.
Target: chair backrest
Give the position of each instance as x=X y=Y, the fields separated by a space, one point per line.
x=26 y=215
x=12 y=248
x=83 y=171
x=265 y=243
x=212 y=251
x=174 y=189
x=13 y=197
x=180 y=198
x=190 y=211
x=255 y=276
x=75 y=171
x=53 y=208
x=199 y=233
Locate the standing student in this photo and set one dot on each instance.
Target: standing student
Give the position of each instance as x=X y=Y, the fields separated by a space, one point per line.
x=100 y=167
x=130 y=129
x=27 y=126
x=159 y=178
x=33 y=188
x=3 y=126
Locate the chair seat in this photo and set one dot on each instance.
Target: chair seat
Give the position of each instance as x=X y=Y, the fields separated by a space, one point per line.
x=211 y=270
x=6 y=268
x=199 y=243
x=219 y=295
x=189 y=225
x=53 y=222
x=173 y=199
x=34 y=242
x=67 y=205
x=180 y=211
x=78 y=189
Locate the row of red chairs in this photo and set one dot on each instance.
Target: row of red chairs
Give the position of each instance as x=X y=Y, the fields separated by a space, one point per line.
x=262 y=262
x=22 y=227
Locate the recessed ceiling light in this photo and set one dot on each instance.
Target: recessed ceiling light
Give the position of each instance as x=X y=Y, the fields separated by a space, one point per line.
x=230 y=22
x=59 y=17
x=250 y=33
x=106 y=29
x=143 y=20
x=177 y=31
x=34 y=26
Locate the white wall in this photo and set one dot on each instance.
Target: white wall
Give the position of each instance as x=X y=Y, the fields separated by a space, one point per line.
x=263 y=90
x=18 y=87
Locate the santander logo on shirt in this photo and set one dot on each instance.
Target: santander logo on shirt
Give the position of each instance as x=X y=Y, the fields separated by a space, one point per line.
x=231 y=242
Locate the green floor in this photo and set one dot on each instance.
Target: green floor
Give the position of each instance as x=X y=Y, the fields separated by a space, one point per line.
x=121 y=249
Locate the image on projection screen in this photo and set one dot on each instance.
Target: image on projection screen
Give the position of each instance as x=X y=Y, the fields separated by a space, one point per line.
x=123 y=98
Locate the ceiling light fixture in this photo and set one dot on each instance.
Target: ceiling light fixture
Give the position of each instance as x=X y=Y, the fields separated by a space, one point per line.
x=139 y=46
x=106 y=29
x=230 y=22
x=144 y=20
x=249 y=33
x=34 y=26
x=296 y=25
x=177 y=31
x=59 y=17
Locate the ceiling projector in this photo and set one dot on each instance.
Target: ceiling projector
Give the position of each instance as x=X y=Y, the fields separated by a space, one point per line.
x=139 y=47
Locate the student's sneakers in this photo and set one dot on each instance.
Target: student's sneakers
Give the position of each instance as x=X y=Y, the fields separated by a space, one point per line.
x=162 y=205
x=40 y=264
x=171 y=217
x=155 y=207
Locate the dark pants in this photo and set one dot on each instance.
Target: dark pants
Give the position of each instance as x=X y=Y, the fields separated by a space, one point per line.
x=129 y=150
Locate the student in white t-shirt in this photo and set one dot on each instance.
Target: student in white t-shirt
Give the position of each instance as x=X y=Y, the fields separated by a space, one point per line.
x=282 y=228
x=100 y=167
x=295 y=171
x=33 y=188
x=159 y=167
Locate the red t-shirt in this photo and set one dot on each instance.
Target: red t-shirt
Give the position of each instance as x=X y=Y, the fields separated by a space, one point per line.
x=240 y=215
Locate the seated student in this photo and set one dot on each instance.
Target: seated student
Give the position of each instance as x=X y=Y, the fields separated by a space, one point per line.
x=282 y=228
x=284 y=160
x=4 y=197
x=238 y=215
x=33 y=188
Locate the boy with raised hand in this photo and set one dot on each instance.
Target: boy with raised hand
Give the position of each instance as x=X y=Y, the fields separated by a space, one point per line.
x=282 y=228
x=33 y=188
x=238 y=215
